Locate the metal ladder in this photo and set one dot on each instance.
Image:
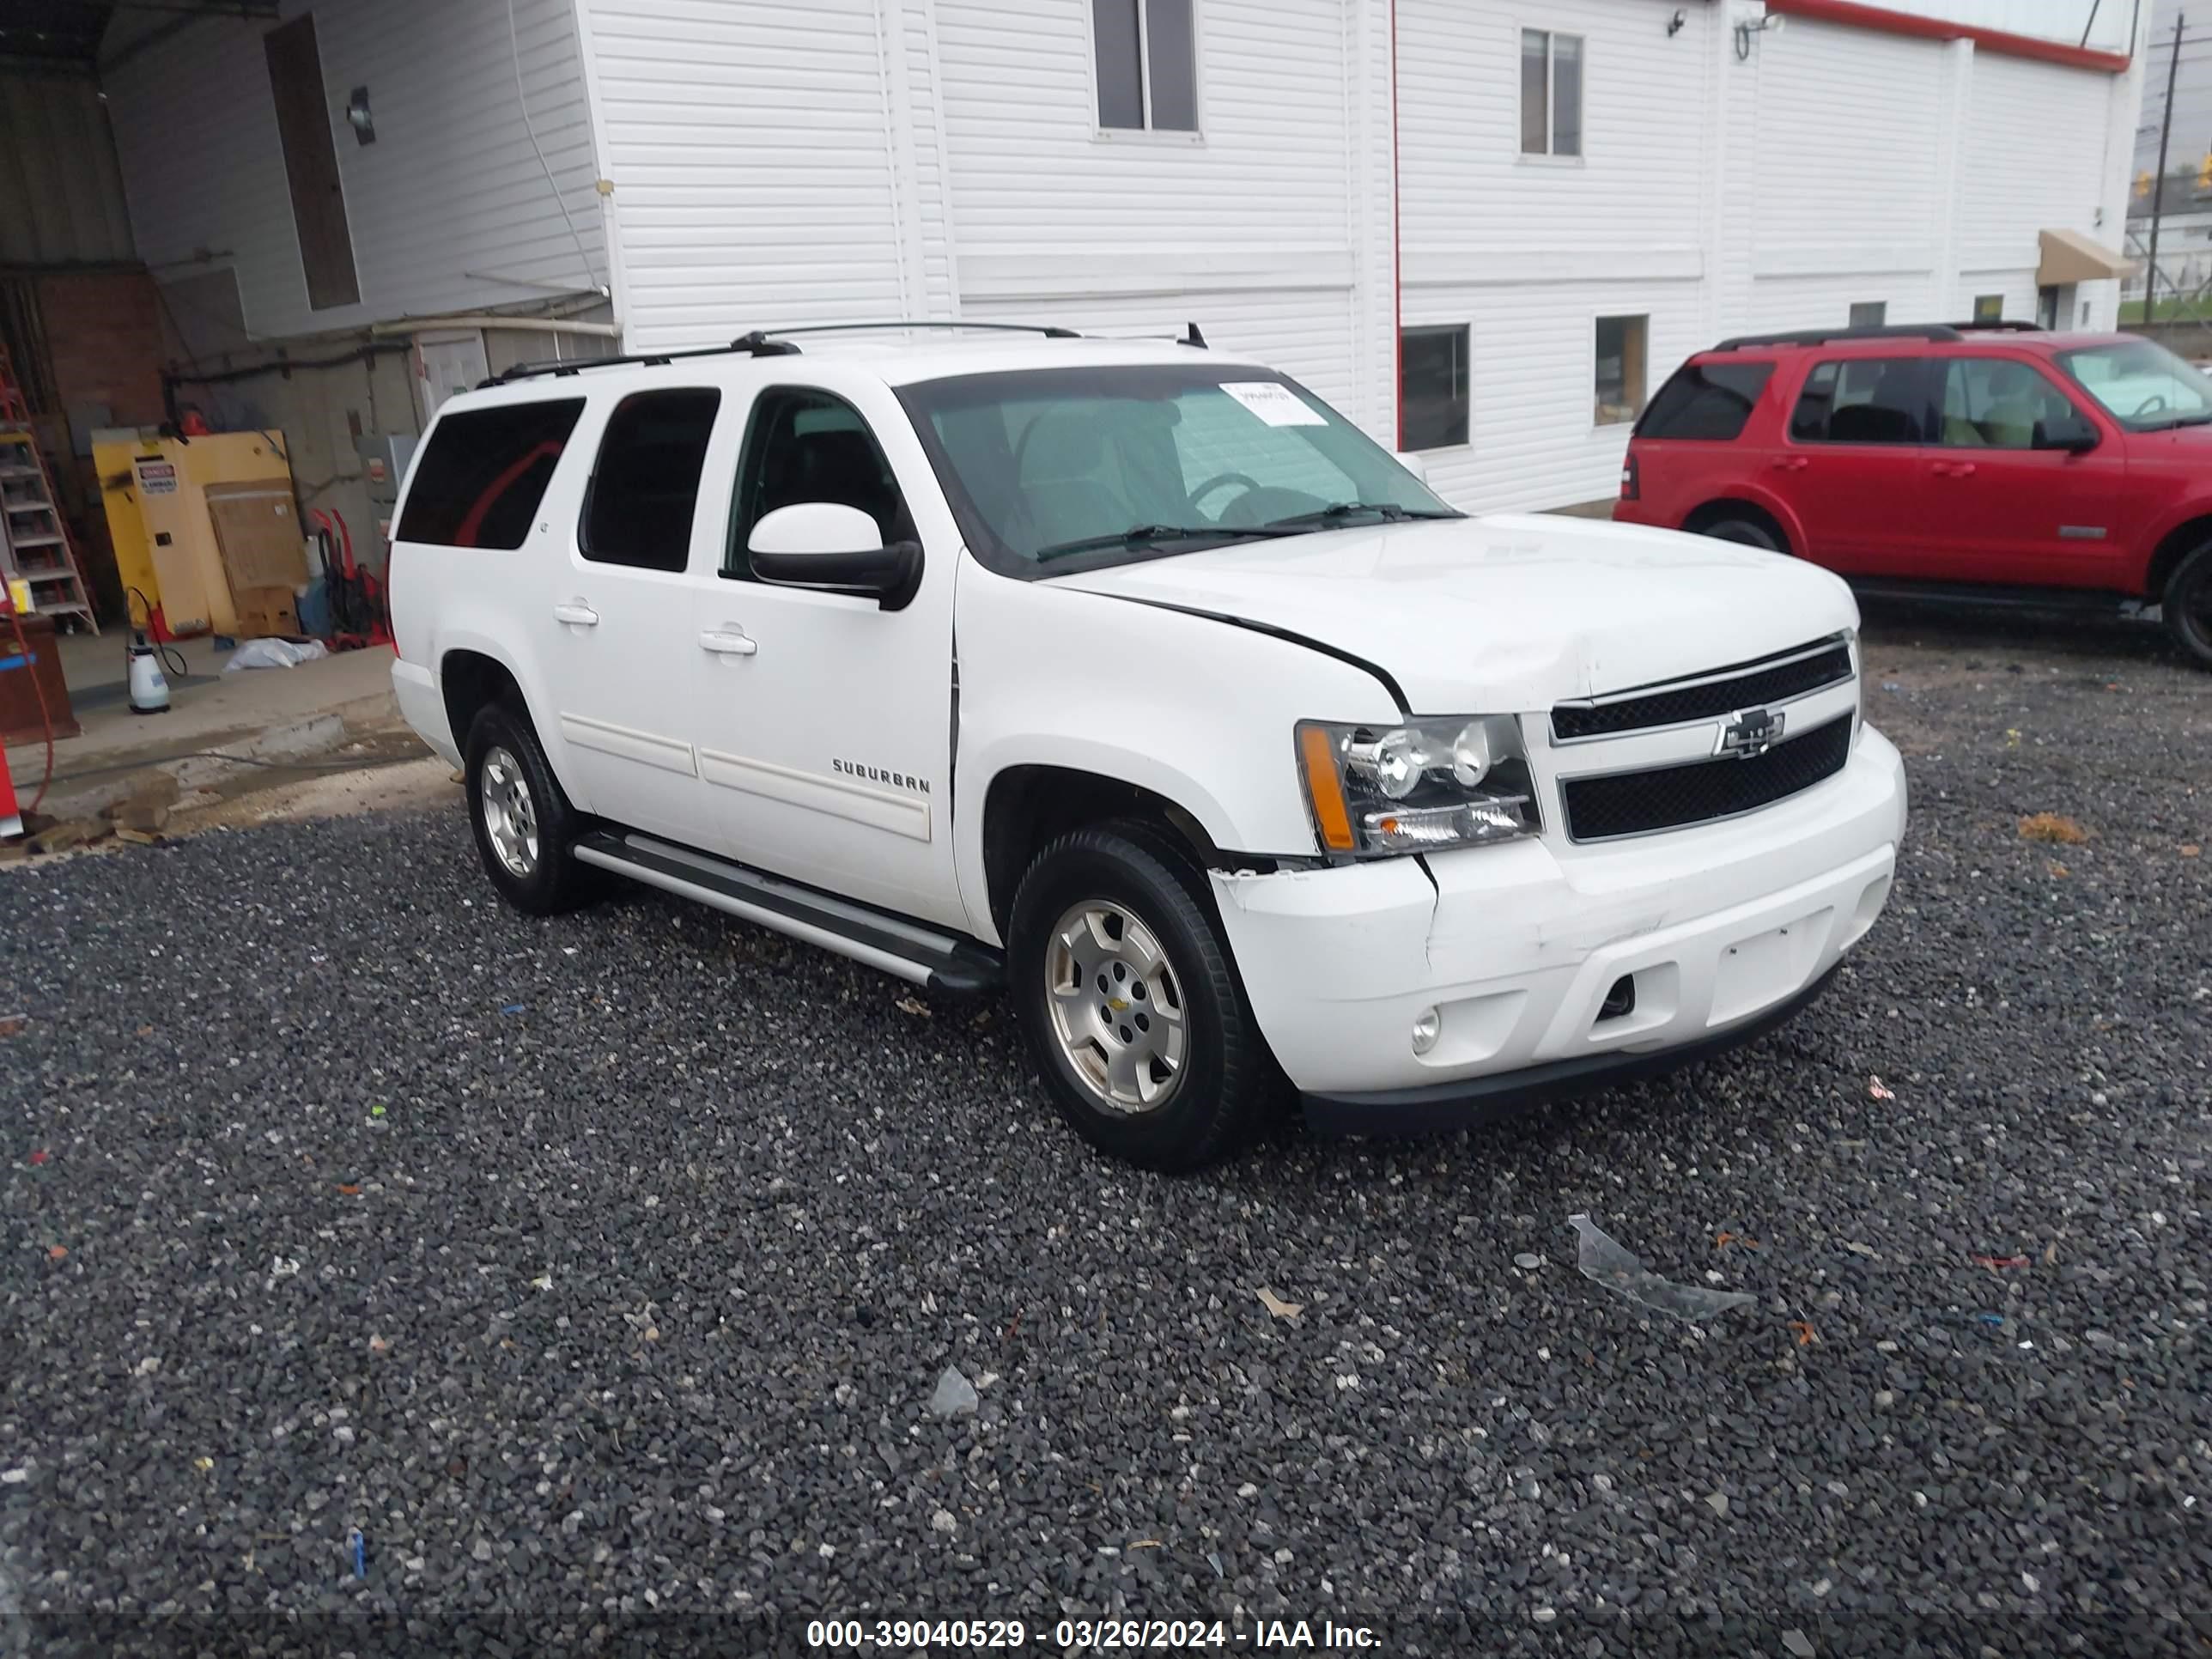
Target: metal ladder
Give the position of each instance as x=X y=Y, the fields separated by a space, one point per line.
x=34 y=543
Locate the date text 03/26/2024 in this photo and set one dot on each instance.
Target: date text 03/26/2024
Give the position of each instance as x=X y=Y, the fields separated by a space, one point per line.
x=1091 y=1635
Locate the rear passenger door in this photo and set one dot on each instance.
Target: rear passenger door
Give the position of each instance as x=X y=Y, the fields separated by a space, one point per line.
x=619 y=636
x=1853 y=464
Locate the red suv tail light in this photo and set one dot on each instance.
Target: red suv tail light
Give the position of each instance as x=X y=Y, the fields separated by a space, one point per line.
x=1631 y=478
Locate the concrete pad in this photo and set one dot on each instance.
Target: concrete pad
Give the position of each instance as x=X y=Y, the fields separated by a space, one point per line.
x=262 y=714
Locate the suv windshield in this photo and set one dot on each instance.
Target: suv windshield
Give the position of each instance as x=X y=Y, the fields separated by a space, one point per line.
x=2142 y=385
x=1078 y=468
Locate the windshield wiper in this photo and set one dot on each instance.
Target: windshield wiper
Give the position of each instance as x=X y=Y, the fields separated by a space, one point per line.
x=1148 y=535
x=1389 y=512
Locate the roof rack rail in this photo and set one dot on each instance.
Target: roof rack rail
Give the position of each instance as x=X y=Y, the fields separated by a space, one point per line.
x=759 y=343
x=1814 y=337
x=1999 y=325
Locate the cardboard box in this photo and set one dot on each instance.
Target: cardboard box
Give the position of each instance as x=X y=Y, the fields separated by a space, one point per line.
x=266 y=612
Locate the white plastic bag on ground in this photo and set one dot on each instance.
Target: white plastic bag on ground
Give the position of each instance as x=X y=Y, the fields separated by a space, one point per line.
x=274 y=653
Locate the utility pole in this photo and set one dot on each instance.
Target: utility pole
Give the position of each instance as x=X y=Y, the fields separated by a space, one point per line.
x=2158 y=184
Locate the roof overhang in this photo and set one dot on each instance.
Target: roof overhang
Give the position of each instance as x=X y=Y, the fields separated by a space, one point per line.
x=1855 y=14
x=2070 y=257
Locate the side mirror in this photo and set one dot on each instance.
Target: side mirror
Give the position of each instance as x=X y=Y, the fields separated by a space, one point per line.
x=2070 y=433
x=1412 y=464
x=837 y=549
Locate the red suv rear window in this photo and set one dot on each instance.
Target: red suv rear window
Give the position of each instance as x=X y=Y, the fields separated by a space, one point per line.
x=1709 y=401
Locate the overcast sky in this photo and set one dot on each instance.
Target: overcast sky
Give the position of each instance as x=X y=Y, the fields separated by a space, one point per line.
x=2193 y=92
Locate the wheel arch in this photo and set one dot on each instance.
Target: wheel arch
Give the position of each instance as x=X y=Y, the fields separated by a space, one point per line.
x=1748 y=505
x=2176 y=545
x=1027 y=804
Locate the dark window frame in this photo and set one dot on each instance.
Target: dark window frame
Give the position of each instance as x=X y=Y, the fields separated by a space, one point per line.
x=1640 y=337
x=455 y=427
x=1927 y=404
x=1672 y=405
x=1145 y=47
x=1462 y=394
x=736 y=564
x=1880 y=308
x=1989 y=307
x=585 y=549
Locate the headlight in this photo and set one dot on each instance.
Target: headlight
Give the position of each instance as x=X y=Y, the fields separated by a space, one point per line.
x=1455 y=780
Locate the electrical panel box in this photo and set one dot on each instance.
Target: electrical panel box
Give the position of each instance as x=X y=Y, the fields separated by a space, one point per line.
x=383 y=458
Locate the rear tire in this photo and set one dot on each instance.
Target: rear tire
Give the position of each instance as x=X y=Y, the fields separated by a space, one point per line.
x=1747 y=533
x=1130 y=1000
x=523 y=822
x=2186 y=604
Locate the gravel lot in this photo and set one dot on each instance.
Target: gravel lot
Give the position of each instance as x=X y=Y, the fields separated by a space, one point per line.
x=600 y=1271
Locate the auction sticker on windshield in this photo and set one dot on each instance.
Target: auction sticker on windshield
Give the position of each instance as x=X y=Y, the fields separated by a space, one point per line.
x=1273 y=402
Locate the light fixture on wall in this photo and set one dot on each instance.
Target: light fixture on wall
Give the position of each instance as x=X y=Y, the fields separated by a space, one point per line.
x=357 y=115
x=1674 y=23
x=1746 y=33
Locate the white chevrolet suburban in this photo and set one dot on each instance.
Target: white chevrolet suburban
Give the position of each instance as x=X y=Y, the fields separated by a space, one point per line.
x=1133 y=679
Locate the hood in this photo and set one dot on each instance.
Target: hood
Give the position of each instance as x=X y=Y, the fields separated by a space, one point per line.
x=1506 y=614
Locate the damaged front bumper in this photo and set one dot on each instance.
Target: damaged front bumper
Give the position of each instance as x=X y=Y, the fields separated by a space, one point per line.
x=1551 y=969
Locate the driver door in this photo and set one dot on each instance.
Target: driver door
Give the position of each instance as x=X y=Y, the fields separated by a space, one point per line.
x=826 y=738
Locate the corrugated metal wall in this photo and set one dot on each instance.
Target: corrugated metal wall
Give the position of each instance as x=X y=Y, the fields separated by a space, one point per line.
x=61 y=192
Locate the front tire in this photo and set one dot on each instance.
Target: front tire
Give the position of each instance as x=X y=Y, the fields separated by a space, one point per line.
x=2186 y=604
x=1130 y=1002
x=523 y=822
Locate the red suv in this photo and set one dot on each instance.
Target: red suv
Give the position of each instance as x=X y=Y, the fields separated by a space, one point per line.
x=1990 y=462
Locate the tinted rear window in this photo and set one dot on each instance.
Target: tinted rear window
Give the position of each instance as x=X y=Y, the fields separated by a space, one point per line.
x=1710 y=401
x=646 y=484
x=1864 y=400
x=479 y=479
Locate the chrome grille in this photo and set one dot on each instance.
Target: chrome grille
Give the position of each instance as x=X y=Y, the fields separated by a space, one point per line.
x=1778 y=678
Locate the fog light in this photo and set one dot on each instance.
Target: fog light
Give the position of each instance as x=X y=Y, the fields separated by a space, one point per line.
x=1427 y=1029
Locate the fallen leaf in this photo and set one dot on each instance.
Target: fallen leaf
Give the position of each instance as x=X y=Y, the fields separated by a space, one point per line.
x=38 y=1157
x=1144 y=1544
x=1879 y=1090
x=2012 y=739
x=11 y=1025
x=145 y=1030
x=1275 y=1304
x=2190 y=849
x=1807 y=1336
x=1721 y=1241
x=908 y=1005
x=57 y=1253
x=2052 y=827
x=376 y=1111
x=351 y=1189
x=378 y=1344
x=2058 y=869
x=204 y=1464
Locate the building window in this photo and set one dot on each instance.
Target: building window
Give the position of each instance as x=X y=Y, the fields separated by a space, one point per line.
x=1620 y=359
x=1148 y=58
x=1432 y=387
x=1870 y=313
x=1550 y=93
x=1989 y=307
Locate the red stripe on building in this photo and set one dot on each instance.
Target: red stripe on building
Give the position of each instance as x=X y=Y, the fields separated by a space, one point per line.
x=1853 y=14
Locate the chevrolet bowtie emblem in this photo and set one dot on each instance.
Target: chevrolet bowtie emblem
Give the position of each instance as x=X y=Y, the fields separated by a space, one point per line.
x=1748 y=733
x=1117 y=1005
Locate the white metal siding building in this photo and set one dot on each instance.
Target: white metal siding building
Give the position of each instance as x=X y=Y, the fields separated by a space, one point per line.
x=1589 y=189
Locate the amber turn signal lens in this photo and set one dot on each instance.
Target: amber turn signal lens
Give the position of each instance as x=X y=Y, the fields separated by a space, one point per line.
x=1324 y=792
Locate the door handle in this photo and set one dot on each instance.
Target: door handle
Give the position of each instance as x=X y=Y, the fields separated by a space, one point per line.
x=1955 y=469
x=576 y=614
x=1792 y=463
x=728 y=641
